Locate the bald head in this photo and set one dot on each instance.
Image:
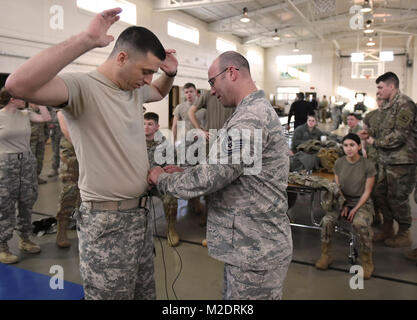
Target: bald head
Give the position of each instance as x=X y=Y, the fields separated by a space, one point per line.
x=235 y=59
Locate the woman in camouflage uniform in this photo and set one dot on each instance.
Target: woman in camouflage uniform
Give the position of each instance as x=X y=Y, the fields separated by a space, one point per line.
x=18 y=178
x=355 y=176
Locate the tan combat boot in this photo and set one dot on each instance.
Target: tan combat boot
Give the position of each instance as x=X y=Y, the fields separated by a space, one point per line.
x=172 y=235
x=61 y=234
x=28 y=246
x=367 y=264
x=402 y=239
x=5 y=255
x=52 y=173
x=387 y=231
x=411 y=255
x=325 y=259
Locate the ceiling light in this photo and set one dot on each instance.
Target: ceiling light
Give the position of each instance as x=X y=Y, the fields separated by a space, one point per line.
x=366 y=7
x=245 y=17
x=368 y=28
x=295 y=48
x=370 y=42
x=276 y=36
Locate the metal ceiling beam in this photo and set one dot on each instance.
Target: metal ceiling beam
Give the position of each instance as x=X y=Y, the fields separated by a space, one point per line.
x=169 y=5
x=307 y=22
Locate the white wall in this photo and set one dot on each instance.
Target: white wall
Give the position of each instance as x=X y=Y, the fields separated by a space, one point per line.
x=25 y=30
x=321 y=70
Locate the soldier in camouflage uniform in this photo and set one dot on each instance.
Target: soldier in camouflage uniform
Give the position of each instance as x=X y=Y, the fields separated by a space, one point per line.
x=37 y=142
x=69 y=198
x=370 y=152
x=170 y=203
x=355 y=175
x=396 y=141
x=247 y=227
x=55 y=141
x=18 y=185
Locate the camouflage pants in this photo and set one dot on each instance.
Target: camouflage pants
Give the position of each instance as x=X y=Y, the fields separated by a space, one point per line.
x=392 y=191
x=241 y=284
x=362 y=224
x=69 y=198
x=55 y=139
x=37 y=145
x=116 y=254
x=18 y=185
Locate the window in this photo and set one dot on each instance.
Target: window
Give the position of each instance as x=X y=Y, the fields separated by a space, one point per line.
x=287 y=93
x=224 y=45
x=184 y=32
x=127 y=15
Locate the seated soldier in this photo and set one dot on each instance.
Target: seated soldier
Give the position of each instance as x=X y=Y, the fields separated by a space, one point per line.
x=151 y=125
x=353 y=122
x=305 y=132
x=355 y=176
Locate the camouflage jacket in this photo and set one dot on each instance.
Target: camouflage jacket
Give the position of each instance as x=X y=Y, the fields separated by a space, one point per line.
x=151 y=146
x=396 y=136
x=371 y=121
x=247 y=223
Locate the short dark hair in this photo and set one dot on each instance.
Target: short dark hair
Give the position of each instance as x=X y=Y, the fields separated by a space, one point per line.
x=189 y=85
x=352 y=136
x=229 y=58
x=357 y=116
x=151 y=116
x=5 y=97
x=300 y=95
x=389 y=77
x=141 y=40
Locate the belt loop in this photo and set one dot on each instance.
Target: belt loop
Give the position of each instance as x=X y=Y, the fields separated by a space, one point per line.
x=20 y=156
x=119 y=205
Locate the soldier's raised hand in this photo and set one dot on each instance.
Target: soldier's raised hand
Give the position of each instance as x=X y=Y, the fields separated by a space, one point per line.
x=98 y=27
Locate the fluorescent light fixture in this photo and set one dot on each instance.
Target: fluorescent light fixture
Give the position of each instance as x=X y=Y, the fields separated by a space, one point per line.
x=295 y=48
x=276 y=36
x=386 y=56
x=368 y=30
x=370 y=42
x=366 y=7
x=245 y=17
x=357 y=57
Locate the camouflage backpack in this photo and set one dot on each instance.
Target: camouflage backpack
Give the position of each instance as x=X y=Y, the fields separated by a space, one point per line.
x=328 y=157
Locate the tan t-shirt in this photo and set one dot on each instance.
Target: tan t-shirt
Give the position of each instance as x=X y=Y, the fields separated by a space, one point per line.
x=352 y=177
x=216 y=114
x=181 y=112
x=106 y=128
x=14 y=131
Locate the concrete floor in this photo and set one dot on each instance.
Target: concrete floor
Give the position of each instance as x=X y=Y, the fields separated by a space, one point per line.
x=188 y=273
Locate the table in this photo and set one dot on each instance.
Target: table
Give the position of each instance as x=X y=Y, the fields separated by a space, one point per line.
x=299 y=189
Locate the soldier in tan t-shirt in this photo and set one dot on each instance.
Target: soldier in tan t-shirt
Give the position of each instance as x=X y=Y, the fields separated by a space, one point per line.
x=102 y=109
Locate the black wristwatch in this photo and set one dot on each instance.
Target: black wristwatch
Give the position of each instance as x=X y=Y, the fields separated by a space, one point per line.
x=171 y=75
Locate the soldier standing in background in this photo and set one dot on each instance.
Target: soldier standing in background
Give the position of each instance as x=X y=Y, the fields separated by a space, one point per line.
x=247 y=227
x=38 y=139
x=18 y=185
x=396 y=142
x=369 y=152
x=69 y=198
x=55 y=141
x=323 y=106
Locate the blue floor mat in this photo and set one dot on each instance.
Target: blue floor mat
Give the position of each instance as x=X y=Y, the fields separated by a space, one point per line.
x=20 y=284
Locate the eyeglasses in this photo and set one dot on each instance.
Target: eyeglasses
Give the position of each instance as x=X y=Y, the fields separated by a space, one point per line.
x=212 y=80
